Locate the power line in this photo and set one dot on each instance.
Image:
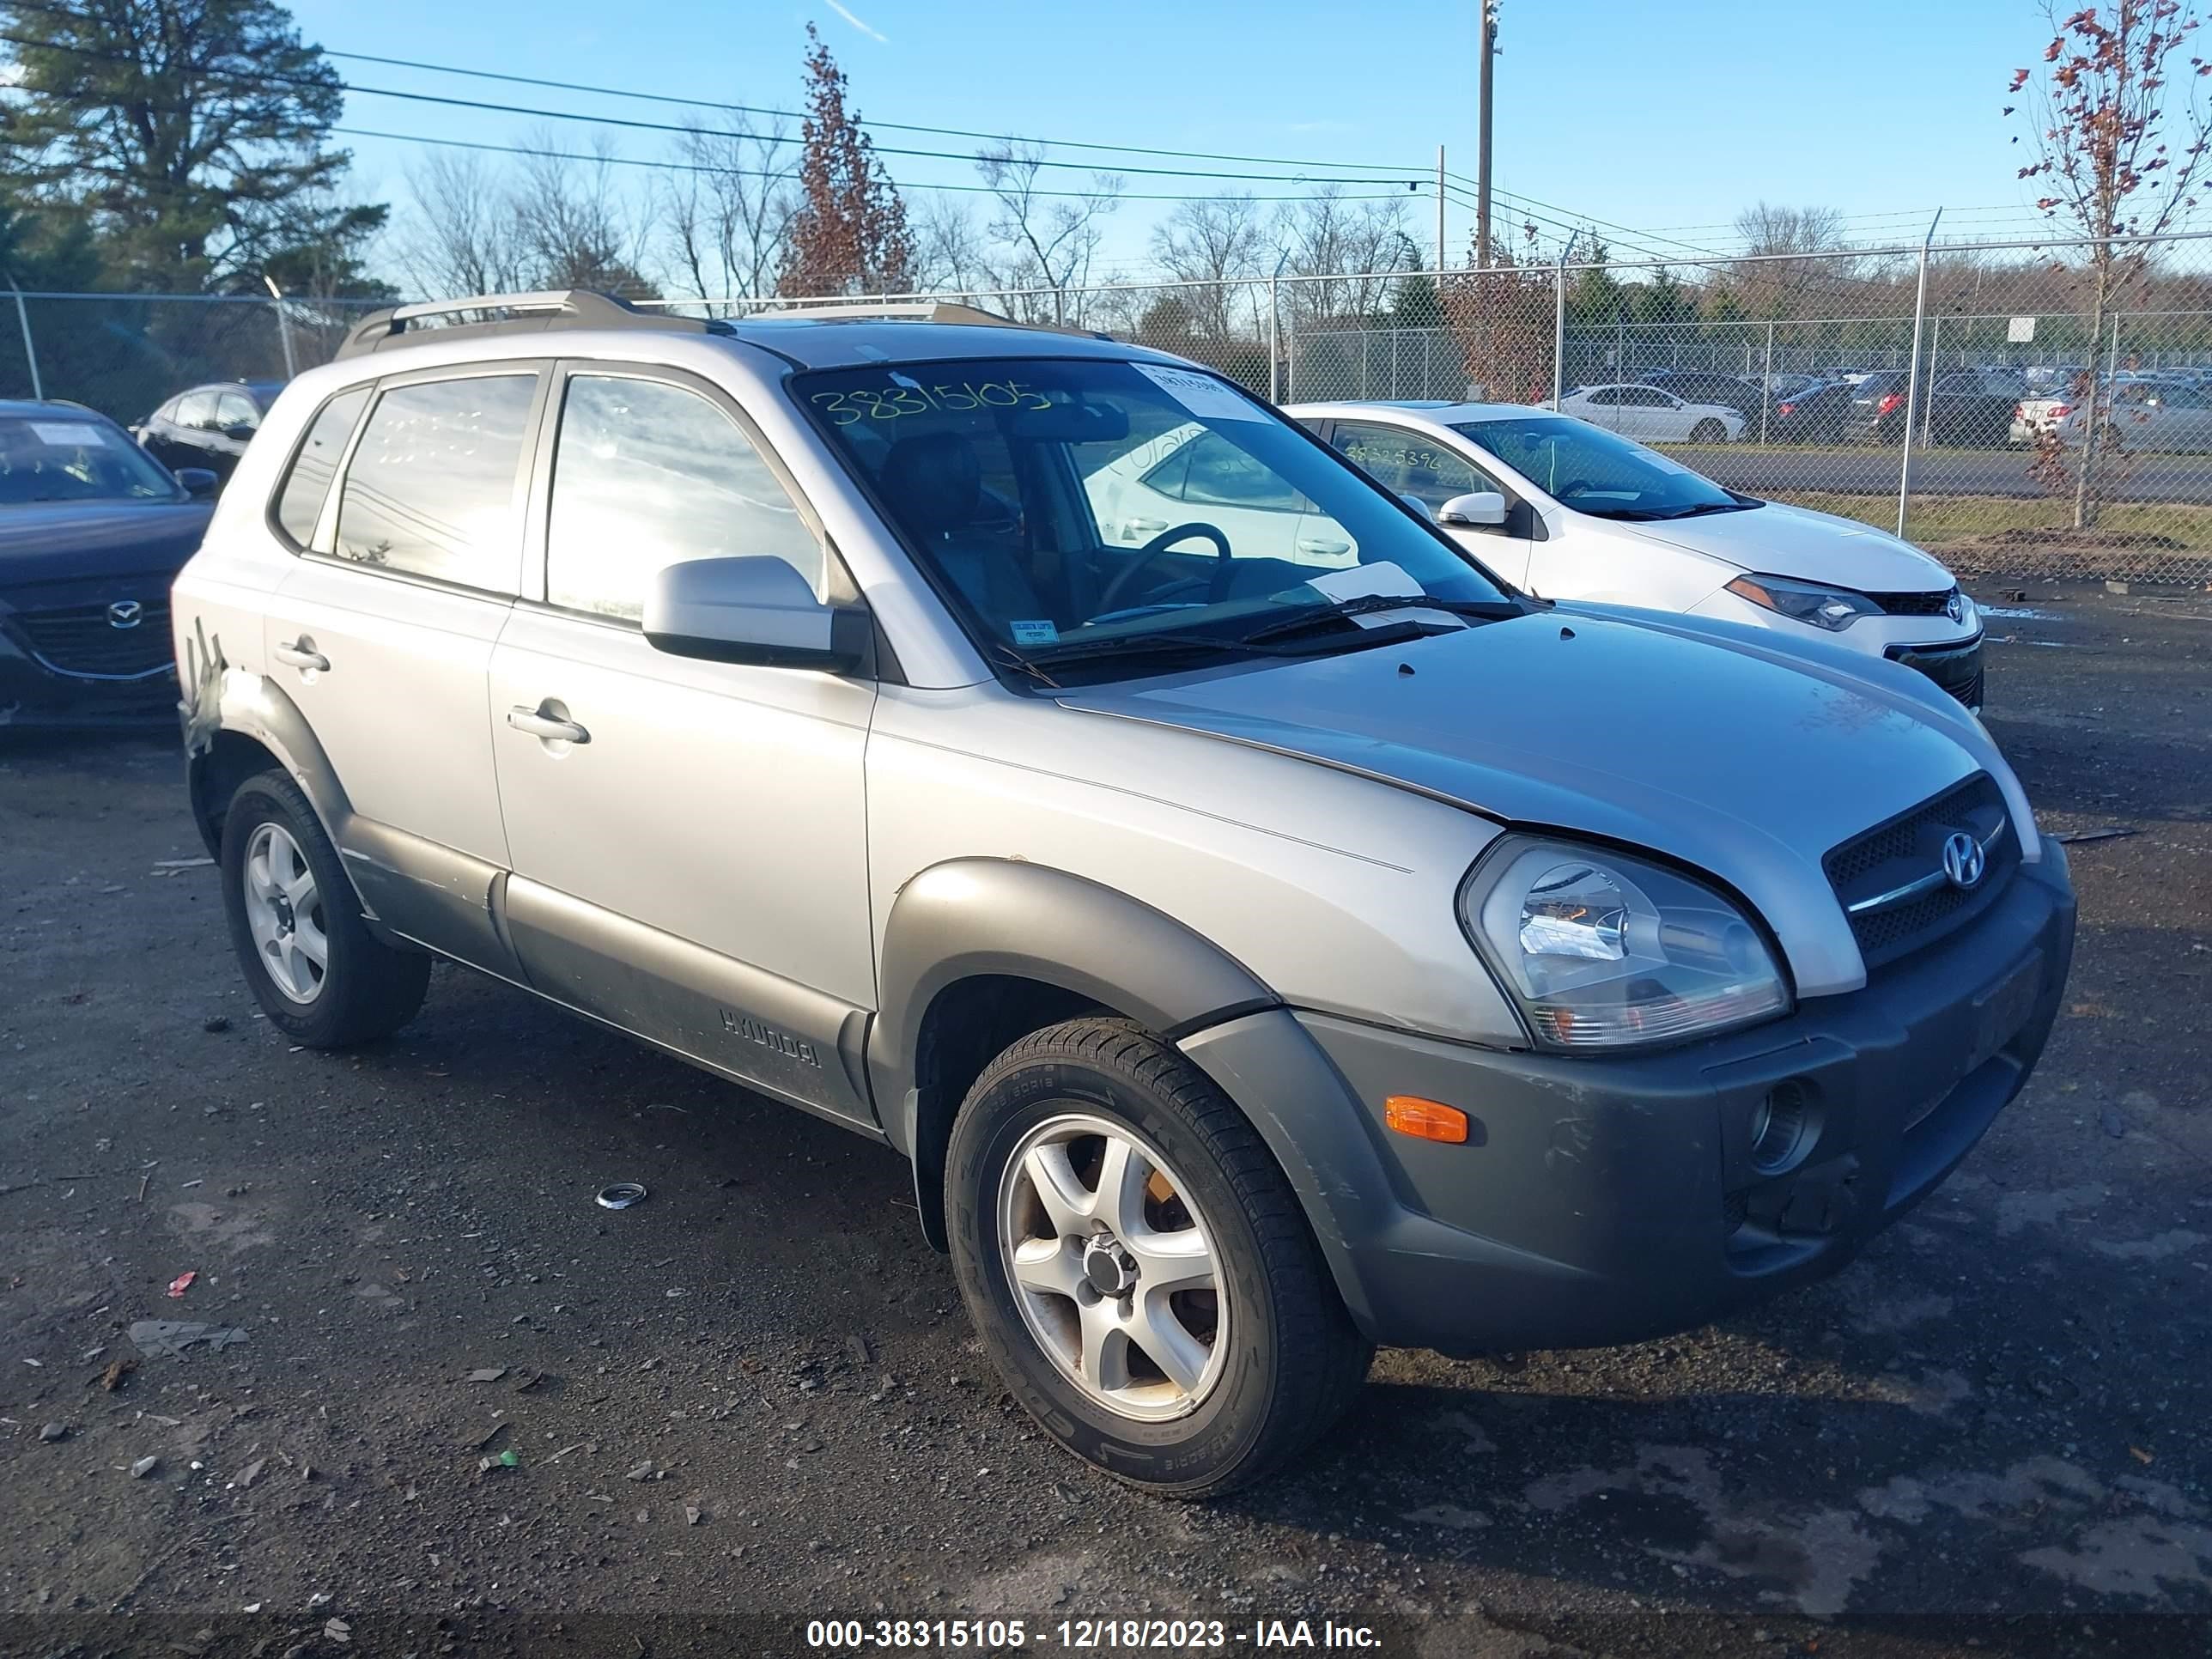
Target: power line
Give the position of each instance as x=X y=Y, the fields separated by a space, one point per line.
x=1393 y=175
x=762 y=172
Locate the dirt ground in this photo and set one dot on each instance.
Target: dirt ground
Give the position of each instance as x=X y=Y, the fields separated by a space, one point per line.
x=753 y=1400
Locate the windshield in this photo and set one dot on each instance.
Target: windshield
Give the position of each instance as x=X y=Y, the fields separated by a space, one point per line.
x=1599 y=472
x=1064 y=504
x=68 y=457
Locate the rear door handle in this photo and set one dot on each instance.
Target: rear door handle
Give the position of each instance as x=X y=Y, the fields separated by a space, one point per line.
x=301 y=654
x=550 y=727
x=1322 y=544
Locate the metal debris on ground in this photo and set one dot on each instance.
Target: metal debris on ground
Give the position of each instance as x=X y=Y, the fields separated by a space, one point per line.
x=156 y=1337
x=54 y=1432
x=144 y=1467
x=642 y=1472
x=486 y=1374
x=621 y=1195
x=2114 y=833
x=509 y=1459
x=182 y=1283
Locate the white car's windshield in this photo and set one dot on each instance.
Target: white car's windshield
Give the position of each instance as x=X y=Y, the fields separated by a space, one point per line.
x=1089 y=508
x=68 y=457
x=1599 y=472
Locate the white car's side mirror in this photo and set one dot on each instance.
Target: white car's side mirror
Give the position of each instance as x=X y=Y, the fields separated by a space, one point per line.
x=1484 y=507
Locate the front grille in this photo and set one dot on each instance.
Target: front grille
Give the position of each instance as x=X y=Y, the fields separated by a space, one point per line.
x=79 y=639
x=1914 y=604
x=1909 y=848
x=1956 y=668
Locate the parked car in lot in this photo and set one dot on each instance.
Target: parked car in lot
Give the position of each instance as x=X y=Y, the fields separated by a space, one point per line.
x=209 y=426
x=1256 y=962
x=1697 y=386
x=1653 y=415
x=1811 y=413
x=1970 y=407
x=2148 y=415
x=1572 y=512
x=92 y=532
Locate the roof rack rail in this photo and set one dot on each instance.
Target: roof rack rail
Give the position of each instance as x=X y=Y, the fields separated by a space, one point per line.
x=512 y=313
x=912 y=311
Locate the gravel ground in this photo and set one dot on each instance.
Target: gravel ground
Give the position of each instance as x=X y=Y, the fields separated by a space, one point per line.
x=754 y=1400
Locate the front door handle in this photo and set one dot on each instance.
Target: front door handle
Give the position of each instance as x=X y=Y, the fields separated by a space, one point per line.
x=551 y=727
x=1144 y=526
x=301 y=654
x=1323 y=545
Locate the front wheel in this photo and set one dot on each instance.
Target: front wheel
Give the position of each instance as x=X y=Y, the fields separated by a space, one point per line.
x=1709 y=432
x=1140 y=1272
x=318 y=974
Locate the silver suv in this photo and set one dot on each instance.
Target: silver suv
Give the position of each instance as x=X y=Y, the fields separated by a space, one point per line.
x=1267 y=934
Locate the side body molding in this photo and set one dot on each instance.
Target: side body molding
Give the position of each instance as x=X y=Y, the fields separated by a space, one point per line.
x=982 y=918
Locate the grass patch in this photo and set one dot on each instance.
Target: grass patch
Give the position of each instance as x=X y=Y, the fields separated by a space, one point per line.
x=1936 y=519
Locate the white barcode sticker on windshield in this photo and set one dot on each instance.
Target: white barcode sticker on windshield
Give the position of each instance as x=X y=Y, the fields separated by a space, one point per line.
x=69 y=434
x=1201 y=394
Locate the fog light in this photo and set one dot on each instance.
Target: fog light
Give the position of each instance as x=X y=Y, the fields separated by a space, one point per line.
x=1780 y=1128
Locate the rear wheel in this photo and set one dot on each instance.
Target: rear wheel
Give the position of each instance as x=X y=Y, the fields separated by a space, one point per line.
x=318 y=974
x=1139 y=1270
x=1709 y=432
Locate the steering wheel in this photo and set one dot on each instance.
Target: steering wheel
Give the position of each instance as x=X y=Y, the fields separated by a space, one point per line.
x=1217 y=591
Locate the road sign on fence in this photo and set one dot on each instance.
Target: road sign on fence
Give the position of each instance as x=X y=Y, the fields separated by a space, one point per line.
x=2020 y=331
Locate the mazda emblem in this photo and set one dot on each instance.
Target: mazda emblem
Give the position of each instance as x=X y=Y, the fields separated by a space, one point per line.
x=1963 y=862
x=1956 y=609
x=125 y=613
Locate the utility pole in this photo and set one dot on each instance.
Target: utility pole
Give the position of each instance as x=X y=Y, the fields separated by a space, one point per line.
x=1482 y=151
x=1440 y=209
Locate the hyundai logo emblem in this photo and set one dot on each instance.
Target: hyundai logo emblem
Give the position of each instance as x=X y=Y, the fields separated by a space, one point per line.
x=125 y=613
x=1963 y=862
x=1956 y=608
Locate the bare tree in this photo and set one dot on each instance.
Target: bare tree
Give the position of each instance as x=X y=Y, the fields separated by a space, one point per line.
x=725 y=222
x=1052 y=238
x=576 y=225
x=948 y=248
x=2099 y=112
x=1766 y=228
x=849 y=235
x=1209 y=242
x=1324 y=238
x=1798 y=251
x=463 y=236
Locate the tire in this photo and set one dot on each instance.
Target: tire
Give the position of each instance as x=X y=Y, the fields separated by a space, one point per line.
x=1280 y=1357
x=361 y=989
x=1709 y=432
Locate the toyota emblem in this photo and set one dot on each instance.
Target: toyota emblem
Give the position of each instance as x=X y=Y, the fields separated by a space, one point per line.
x=1963 y=862
x=1956 y=608
x=125 y=613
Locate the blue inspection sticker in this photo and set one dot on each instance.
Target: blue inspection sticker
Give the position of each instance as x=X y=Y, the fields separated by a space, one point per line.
x=1034 y=633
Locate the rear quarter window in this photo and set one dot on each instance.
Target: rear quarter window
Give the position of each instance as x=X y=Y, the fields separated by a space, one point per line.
x=307 y=482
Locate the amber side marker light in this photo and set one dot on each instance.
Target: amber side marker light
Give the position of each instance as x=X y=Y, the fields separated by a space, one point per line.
x=1426 y=1120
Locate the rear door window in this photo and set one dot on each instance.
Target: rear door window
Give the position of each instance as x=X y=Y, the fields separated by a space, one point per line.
x=195 y=409
x=434 y=489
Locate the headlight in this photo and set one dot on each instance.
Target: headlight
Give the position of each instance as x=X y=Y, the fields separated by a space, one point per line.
x=1603 y=951
x=1833 y=608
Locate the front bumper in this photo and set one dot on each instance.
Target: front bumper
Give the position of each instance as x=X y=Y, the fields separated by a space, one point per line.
x=1599 y=1202
x=35 y=693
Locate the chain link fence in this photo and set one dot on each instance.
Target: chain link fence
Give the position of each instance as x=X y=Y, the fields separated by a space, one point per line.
x=2024 y=409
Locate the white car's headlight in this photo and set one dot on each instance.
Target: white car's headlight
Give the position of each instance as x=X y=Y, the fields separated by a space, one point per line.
x=1833 y=608
x=1607 y=951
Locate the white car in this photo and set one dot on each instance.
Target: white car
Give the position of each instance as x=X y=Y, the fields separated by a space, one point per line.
x=1568 y=510
x=1159 y=482
x=1654 y=415
x=2159 y=413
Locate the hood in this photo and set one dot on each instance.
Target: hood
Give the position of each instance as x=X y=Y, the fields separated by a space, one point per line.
x=56 y=541
x=1741 y=758
x=1778 y=540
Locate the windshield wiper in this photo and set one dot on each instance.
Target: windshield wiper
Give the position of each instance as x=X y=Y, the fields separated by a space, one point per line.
x=1367 y=603
x=1704 y=507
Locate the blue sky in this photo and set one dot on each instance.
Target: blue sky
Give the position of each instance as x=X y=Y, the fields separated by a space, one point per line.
x=1664 y=117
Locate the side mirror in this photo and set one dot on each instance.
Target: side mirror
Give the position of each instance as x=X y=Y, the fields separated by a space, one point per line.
x=758 y=610
x=1485 y=508
x=199 y=483
x=1418 y=505
x=240 y=432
